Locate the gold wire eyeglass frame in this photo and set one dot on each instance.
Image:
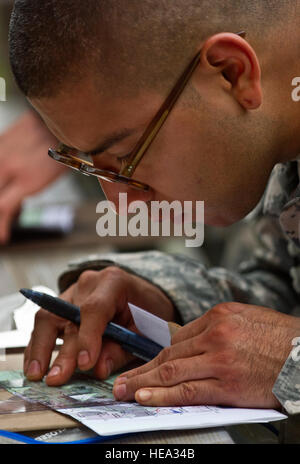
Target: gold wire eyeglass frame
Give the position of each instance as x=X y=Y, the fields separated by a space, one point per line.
x=63 y=154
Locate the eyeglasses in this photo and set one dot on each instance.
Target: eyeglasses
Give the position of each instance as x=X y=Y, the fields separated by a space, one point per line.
x=65 y=156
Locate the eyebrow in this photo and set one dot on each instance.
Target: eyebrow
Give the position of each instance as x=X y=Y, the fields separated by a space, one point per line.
x=111 y=140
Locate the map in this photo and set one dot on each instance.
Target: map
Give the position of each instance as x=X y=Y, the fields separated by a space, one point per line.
x=91 y=402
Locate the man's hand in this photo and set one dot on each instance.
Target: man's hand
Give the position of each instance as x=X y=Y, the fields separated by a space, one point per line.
x=102 y=296
x=25 y=166
x=230 y=356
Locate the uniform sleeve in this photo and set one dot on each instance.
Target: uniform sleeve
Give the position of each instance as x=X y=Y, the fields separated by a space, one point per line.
x=264 y=279
x=287 y=386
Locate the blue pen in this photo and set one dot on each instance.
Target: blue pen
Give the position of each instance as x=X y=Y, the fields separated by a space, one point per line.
x=139 y=346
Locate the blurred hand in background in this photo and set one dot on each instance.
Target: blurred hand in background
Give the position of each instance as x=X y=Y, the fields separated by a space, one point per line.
x=25 y=167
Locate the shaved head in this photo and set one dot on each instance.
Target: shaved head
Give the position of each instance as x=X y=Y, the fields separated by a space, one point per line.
x=132 y=44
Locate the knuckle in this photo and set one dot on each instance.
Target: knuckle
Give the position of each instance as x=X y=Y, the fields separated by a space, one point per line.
x=43 y=316
x=163 y=356
x=86 y=277
x=221 y=309
x=220 y=332
x=40 y=316
x=113 y=272
x=167 y=372
x=188 y=393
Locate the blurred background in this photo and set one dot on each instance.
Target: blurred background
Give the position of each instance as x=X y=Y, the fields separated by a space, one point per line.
x=41 y=231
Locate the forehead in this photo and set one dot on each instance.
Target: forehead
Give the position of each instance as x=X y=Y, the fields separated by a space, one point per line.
x=82 y=116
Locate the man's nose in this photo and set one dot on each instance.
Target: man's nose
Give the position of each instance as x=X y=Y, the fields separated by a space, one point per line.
x=112 y=191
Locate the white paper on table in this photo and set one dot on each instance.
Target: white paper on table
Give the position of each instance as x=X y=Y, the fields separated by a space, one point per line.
x=151 y=326
x=24 y=320
x=126 y=418
x=119 y=417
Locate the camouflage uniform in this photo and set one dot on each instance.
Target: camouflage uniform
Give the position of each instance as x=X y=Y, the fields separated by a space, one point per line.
x=271 y=278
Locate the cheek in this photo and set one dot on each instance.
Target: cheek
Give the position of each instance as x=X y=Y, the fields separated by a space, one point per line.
x=173 y=168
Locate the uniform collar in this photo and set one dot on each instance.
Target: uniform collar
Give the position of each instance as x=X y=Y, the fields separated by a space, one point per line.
x=283 y=182
x=282 y=198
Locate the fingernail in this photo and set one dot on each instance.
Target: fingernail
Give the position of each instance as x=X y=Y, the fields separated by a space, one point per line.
x=109 y=367
x=34 y=369
x=144 y=395
x=54 y=371
x=83 y=358
x=120 y=391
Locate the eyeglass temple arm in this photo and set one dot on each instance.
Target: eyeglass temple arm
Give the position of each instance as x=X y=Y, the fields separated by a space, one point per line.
x=160 y=118
x=162 y=114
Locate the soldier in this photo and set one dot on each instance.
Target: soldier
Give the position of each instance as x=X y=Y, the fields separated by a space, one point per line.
x=98 y=72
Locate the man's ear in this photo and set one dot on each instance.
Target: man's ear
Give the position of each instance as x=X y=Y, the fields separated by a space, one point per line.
x=232 y=56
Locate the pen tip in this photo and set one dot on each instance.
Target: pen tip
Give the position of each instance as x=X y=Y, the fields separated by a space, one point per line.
x=25 y=291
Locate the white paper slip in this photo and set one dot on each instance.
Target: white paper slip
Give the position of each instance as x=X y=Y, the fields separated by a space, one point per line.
x=151 y=326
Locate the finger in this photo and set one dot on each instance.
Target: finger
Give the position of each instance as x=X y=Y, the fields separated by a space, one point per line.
x=111 y=359
x=66 y=361
x=192 y=329
x=94 y=318
x=85 y=285
x=68 y=295
x=205 y=392
x=26 y=356
x=195 y=346
x=113 y=356
x=97 y=310
x=167 y=374
x=46 y=329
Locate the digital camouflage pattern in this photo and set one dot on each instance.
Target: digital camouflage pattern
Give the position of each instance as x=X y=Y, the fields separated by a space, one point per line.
x=270 y=277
